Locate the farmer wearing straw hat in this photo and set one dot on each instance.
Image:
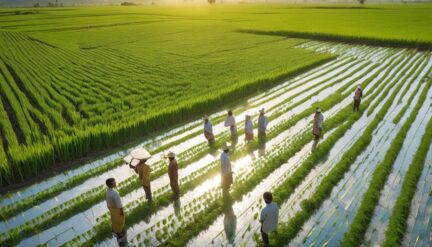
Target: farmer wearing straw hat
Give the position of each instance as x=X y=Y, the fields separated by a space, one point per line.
x=231 y=122
x=208 y=130
x=262 y=124
x=248 y=128
x=317 y=127
x=226 y=170
x=358 y=94
x=116 y=209
x=140 y=156
x=173 y=174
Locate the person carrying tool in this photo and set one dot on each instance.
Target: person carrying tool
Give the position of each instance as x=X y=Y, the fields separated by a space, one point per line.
x=358 y=94
x=137 y=161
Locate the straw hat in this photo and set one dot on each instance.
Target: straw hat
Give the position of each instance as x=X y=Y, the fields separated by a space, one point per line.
x=205 y=117
x=140 y=154
x=318 y=110
x=225 y=146
x=262 y=110
x=130 y=160
x=171 y=155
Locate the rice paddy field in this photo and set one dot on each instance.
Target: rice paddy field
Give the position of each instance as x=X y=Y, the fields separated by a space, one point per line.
x=82 y=87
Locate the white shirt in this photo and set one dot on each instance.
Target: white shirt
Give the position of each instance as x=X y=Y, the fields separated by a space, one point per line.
x=269 y=217
x=320 y=120
x=249 y=126
x=208 y=127
x=230 y=121
x=113 y=199
x=225 y=163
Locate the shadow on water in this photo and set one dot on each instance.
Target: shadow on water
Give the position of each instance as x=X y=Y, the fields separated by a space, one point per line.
x=262 y=146
x=177 y=207
x=230 y=219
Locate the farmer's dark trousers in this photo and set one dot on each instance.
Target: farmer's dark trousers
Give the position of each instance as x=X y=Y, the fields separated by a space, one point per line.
x=356 y=105
x=264 y=238
x=147 y=190
x=175 y=189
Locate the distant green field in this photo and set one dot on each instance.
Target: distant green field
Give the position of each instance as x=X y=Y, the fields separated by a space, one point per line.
x=75 y=80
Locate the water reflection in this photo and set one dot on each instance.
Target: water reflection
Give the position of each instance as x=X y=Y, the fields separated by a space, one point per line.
x=261 y=146
x=234 y=140
x=177 y=206
x=230 y=220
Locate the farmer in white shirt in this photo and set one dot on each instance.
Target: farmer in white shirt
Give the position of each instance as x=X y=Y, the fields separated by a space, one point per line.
x=248 y=128
x=269 y=217
x=231 y=122
x=116 y=209
x=208 y=130
x=262 y=124
x=226 y=170
x=317 y=127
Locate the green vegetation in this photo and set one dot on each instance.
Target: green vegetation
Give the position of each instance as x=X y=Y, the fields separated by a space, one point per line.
x=371 y=198
x=84 y=84
x=398 y=221
x=309 y=206
x=72 y=114
x=80 y=82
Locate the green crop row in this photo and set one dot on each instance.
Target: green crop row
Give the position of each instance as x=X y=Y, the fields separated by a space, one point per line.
x=372 y=41
x=323 y=191
x=291 y=122
x=388 y=79
x=203 y=219
x=67 y=117
x=398 y=221
x=405 y=107
x=101 y=137
x=371 y=198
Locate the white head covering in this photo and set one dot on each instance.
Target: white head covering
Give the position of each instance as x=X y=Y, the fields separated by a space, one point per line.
x=318 y=110
x=140 y=154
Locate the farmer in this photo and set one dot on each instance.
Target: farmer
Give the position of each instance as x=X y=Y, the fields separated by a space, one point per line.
x=173 y=174
x=248 y=128
x=116 y=209
x=231 y=122
x=317 y=127
x=358 y=94
x=208 y=130
x=262 y=124
x=226 y=170
x=269 y=217
x=142 y=169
